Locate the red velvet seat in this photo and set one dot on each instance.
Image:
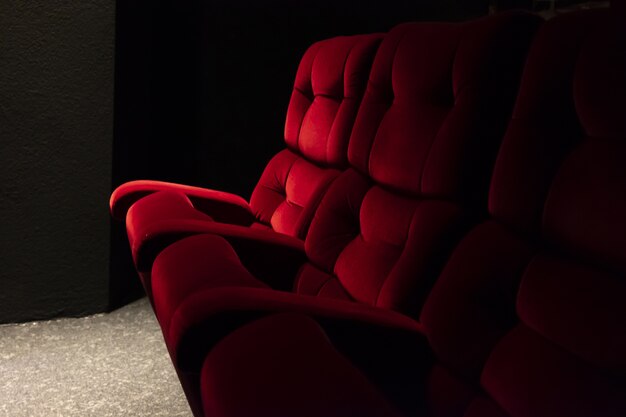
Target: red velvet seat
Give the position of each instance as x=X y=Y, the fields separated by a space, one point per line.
x=421 y=153
x=528 y=317
x=328 y=89
x=540 y=286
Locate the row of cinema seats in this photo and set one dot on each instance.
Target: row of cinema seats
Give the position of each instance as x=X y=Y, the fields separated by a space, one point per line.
x=444 y=234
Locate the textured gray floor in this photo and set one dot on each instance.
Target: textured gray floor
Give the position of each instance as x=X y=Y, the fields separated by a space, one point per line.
x=105 y=365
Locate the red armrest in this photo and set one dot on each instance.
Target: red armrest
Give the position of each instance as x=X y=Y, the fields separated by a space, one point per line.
x=223 y=207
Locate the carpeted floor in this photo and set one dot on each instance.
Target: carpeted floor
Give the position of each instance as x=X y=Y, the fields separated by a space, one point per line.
x=105 y=365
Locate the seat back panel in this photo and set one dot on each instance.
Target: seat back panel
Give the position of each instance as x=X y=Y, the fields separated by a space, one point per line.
x=420 y=153
x=327 y=92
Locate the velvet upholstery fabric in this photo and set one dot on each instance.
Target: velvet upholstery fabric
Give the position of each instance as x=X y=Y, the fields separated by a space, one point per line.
x=270 y=256
x=329 y=86
x=538 y=290
x=527 y=318
x=328 y=89
x=380 y=238
x=329 y=385
x=385 y=226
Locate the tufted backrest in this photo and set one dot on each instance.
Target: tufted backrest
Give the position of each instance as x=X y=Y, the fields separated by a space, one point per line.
x=328 y=89
x=437 y=103
x=528 y=317
x=423 y=143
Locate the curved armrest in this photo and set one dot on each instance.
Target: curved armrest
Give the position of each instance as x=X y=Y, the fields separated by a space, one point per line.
x=259 y=250
x=223 y=207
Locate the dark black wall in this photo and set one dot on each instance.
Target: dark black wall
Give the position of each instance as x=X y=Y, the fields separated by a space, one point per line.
x=202 y=87
x=56 y=131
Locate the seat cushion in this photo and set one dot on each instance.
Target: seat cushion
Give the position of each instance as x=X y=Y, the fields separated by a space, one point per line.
x=186 y=266
x=420 y=153
x=290 y=369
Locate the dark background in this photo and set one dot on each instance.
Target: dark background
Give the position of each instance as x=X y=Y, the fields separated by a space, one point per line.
x=93 y=94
